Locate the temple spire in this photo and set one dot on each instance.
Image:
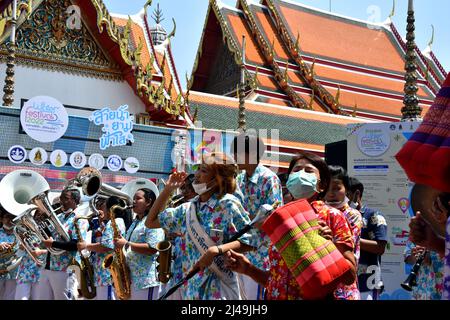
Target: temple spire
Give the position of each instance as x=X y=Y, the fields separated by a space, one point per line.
x=242 y=121
x=8 y=89
x=411 y=110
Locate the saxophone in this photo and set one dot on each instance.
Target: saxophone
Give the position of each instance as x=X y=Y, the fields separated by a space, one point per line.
x=86 y=281
x=116 y=263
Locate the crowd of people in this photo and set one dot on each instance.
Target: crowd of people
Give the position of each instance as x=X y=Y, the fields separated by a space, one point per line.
x=223 y=197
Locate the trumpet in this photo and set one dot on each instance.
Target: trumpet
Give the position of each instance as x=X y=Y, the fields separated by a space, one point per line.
x=411 y=281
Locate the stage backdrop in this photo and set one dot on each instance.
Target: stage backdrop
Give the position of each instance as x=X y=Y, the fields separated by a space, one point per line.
x=152 y=148
x=371 y=151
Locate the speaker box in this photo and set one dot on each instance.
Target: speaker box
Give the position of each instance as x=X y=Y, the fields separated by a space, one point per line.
x=336 y=154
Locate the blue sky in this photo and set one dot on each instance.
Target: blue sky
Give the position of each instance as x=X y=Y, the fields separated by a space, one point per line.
x=190 y=18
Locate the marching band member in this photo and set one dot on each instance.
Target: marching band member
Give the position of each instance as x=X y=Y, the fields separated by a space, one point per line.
x=309 y=179
x=29 y=274
x=211 y=218
x=101 y=246
x=7 y=238
x=54 y=276
x=139 y=244
x=179 y=243
x=336 y=198
x=259 y=186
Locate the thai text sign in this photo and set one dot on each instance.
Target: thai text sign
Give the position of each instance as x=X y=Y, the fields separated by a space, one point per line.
x=117 y=126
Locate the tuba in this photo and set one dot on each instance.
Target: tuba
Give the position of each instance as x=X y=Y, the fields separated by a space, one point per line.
x=84 y=269
x=116 y=262
x=21 y=191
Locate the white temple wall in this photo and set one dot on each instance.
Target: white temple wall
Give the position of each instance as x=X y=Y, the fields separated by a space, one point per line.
x=71 y=90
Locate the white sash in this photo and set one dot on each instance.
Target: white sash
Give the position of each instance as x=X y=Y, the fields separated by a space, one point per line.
x=229 y=281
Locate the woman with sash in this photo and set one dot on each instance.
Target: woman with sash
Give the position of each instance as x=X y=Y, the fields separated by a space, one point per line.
x=309 y=179
x=206 y=222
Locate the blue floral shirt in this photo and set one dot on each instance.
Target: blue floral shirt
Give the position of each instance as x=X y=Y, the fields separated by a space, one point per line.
x=62 y=261
x=263 y=187
x=430 y=277
x=8 y=238
x=143 y=267
x=28 y=271
x=105 y=238
x=446 y=293
x=221 y=219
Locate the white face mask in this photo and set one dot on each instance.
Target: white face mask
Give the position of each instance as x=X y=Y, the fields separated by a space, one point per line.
x=338 y=204
x=201 y=188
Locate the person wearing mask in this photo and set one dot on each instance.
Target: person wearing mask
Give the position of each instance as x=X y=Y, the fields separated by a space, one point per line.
x=309 y=178
x=53 y=281
x=373 y=243
x=206 y=222
x=336 y=197
x=259 y=186
x=7 y=239
x=178 y=241
x=140 y=243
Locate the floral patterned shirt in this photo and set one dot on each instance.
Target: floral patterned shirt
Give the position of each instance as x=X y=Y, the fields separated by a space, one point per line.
x=62 y=261
x=430 y=279
x=105 y=238
x=221 y=219
x=282 y=284
x=8 y=238
x=355 y=222
x=28 y=271
x=263 y=187
x=142 y=266
x=446 y=294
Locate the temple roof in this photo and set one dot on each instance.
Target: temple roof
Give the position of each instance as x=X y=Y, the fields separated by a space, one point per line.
x=126 y=41
x=307 y=58
x=297 y=129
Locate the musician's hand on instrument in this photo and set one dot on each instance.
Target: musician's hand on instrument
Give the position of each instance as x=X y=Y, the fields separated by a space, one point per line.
x=176 y=180
x=5 y=246
x=325 y=231
x=48 y=242
x=207 y=258
x=120 y=242
x=81 y=246
x=237 y=262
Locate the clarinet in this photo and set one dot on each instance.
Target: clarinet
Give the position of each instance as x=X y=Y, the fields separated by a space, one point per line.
x=411 y=281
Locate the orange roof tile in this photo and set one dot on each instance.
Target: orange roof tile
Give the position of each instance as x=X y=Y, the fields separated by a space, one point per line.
x=239 y=29
x=342 y=40
x=233 y=103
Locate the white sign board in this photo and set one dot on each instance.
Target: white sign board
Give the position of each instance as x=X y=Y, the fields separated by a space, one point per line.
x=44 y=119
x=371 y=159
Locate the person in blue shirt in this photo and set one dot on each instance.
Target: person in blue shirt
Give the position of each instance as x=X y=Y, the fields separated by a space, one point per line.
x=373 y=244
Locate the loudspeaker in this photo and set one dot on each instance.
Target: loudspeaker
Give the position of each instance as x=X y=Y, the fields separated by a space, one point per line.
x=336 y=154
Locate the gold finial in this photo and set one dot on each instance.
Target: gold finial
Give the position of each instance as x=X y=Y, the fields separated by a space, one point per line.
x=393 y=9
x=430 y=44
x=311 y=102
x=148 y=4
x=286 y=75
x=195 y=117
x=297 y=49
x=354 y=110
x=338 y=96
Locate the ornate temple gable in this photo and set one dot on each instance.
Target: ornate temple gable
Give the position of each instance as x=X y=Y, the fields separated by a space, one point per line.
x=48 y=39
x=216 y=30
x=225 y=73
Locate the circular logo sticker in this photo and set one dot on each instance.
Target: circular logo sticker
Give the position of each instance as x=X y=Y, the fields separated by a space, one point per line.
x=17 y=154
x=96 y=161
x=373 y=142
x=77 y=160
x=38 y=156
x=114 y=163
x=58 y=158
x=44 y=119
x=131 y=165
